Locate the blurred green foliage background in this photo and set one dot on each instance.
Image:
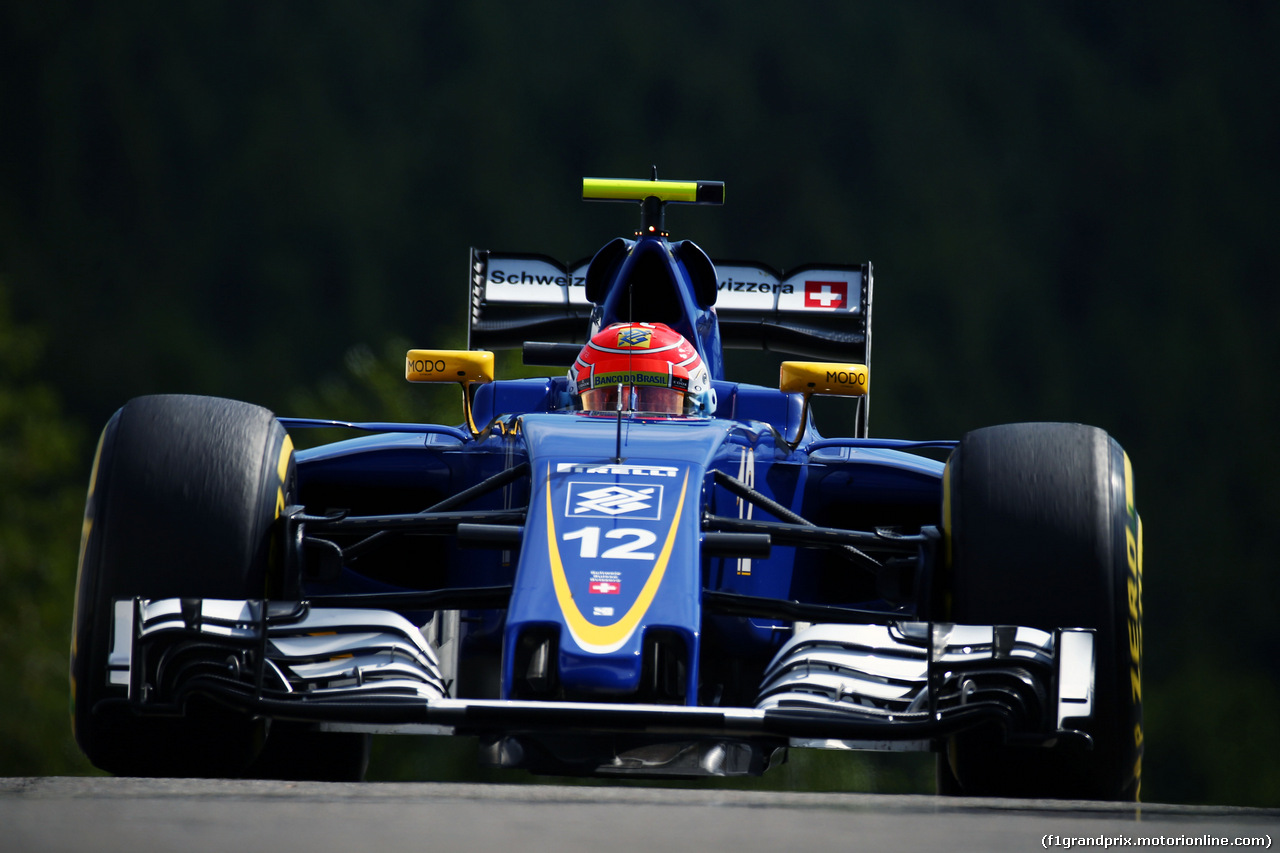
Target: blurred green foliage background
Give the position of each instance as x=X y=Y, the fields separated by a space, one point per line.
x=1072 y=209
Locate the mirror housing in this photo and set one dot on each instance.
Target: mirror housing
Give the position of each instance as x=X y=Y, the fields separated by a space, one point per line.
x=830 y=379
x=825 y=378
x=443 y=365
x=465 y=367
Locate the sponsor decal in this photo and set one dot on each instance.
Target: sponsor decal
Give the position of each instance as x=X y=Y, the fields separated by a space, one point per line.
x=754 y=286
x=596 y=499
x=826 y=294
x=601 y=611
x=608 y=638
x=605 y=588
x=605 y=380
x=524 y=277
x=426 y=365
x=847 y=377
x=624 y=470
x=635 y=338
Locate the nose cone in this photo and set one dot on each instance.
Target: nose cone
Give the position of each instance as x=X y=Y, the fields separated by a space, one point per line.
x=611 y=561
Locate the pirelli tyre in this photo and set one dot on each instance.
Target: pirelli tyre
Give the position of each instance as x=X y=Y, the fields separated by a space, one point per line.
x=1040 y=529
x=183 y=500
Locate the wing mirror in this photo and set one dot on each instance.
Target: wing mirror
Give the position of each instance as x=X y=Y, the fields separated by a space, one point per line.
x=465 y=367
x=830 y=379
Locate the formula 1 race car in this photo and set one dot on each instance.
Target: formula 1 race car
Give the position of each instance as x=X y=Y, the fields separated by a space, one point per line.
x=631 y=567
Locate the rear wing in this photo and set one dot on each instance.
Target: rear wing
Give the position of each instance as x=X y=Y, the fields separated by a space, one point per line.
x=815 y=311
x=818 y=311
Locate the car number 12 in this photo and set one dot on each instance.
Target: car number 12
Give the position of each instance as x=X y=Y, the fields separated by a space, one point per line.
x=636 y=538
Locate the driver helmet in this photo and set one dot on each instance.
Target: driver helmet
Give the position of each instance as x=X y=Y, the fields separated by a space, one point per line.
x=659 y=372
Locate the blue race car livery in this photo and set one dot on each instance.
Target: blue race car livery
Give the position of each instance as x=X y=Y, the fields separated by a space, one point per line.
x=631 y=566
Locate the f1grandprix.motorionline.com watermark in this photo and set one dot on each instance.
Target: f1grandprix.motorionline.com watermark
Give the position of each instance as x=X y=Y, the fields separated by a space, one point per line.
x=1109 y=841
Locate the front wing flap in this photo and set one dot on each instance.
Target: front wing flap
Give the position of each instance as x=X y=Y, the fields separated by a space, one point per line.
x=903 y=685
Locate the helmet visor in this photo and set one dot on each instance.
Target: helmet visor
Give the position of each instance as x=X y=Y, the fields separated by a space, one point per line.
x=636 y=398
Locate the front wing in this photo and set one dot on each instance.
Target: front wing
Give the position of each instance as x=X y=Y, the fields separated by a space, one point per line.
x=897 y=686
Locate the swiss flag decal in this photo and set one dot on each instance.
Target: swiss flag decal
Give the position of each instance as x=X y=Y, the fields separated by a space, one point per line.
x=607 y=587
x=826 y=294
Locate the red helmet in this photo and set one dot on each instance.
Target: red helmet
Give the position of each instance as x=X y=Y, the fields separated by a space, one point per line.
x=661 y=370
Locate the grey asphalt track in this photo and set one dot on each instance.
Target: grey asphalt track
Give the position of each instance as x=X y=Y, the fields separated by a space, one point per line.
x=107 y=814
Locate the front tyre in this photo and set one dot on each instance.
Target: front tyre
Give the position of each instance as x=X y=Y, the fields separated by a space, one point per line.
x=182 y=502
x=1040 y=530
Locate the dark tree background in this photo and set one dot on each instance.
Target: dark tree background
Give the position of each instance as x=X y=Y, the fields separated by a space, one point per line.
x=1072 y=209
